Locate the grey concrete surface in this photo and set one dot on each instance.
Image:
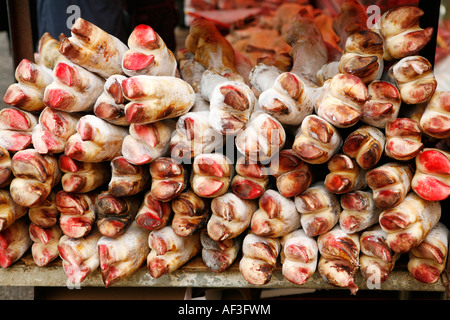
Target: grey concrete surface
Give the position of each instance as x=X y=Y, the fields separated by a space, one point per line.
x=6 y=66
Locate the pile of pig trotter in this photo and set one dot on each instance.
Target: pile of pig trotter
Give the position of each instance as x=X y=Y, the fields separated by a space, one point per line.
x=329 y=153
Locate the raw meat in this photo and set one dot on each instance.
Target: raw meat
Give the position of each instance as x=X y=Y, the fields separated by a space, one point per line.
x=339 y=258
x=365 y=145
x=123 y=255
x=35 y=176
x=230 y=216
x=251 y=179
x=115 y=214
x=299 y=256
x=154 y=98
x=431 y=180
x=319 y=209
x=293 y=175
x=148 y=54
x=359 y=211
x=74 y=89
x=259 y=258
x=276 y=216
x=147 y=142
x=211 y=175
x=153 y=214
x=345 y=175
x=110 y=105
x=96 y=140
x=390 y=183
x=169 y=178
x=218 y=256
x=83 y=177
x=77 y=213
x=80 y=256
x=191 y=213
x=316 y=141
x=127 y=179
x=169 y=251
x=408 y=223
x=94 y=49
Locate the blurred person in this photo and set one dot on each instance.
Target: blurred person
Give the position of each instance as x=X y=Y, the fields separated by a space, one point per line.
x=161 y=15
x=58 y=16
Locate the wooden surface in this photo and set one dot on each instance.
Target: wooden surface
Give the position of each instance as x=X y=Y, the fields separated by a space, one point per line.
x=193 y=274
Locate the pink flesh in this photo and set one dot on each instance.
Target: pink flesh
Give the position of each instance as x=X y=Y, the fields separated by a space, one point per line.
x=74 y=150
x=76 y=274
x=439 y=125
x=270 y=205
x=299 y=277
x=58 y=99
x=70 y=203
x=432 y=252
x=69 y=254
x=351 y=223
x=43 y=234
x=14 y=96
x=49 y=142
x=6 y=258
x=247 y=189
x=43 y=258
x=189 y=126
x=145 y=37
x=105 y=258
x=393 y=221
x=166 y=190
x=299 y=252
x=374 y=109
x=353 y=201
x=6 y=238
x=14 y=119
x=402 y=148
x=74 y=184
x=149 y=220
x=136 y=157
x=377 y=247
x=210 y=168
x=132 y=88
x=20 y=142
x=387 y=198
x=66 y=74
x=209 y=187
x=157 y=267
x=137 y=61
x=147 y=133
x=53 y=121
x=76 y=227
x=318 y=226
x=67 y=164
x=158 y=244
x=111 y=228
x=431 y=189
x=434 y=161
x=27 y=71
x=337 y=183
x=403 y=242
x=294 y=183
x=111 y=275
x=85 y=129
x=425 y=273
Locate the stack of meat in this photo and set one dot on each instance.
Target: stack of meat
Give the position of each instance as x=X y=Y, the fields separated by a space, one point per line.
x=117 y=155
